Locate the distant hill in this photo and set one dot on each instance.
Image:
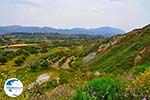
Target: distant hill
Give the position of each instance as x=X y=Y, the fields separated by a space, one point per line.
x=123 y=52
x=105 y=31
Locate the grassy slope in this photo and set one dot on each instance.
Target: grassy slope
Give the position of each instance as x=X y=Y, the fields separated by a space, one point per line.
x=120 y=58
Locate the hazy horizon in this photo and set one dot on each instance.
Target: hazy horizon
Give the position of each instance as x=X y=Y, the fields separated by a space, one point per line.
x=125 y=15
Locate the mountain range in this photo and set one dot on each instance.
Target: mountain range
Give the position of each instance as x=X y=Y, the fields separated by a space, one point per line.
x=105 y=31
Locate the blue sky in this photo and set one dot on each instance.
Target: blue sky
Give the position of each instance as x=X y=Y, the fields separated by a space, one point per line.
x=124 y=14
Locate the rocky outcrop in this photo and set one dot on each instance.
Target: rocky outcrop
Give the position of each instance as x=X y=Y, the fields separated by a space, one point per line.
x=97 y=73
x=43 y=78
x=113 y=41
x=120 y=38
x=137 y=60
x=89 y=57
x=104 y=47
x=147 y=27
x=141 y=55
x=62 y=92
x=134 y=32
x=117 y=39
x=139 y=32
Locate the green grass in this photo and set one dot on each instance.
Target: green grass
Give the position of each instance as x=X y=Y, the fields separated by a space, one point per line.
x=120 y=57
x=105 y=88
x=139 y=69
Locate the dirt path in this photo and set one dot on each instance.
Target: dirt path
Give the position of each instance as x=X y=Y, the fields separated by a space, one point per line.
x=56 y=65
x=66 y=64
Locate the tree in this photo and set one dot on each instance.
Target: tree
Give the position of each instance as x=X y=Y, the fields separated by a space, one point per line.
x=44 y=64
x=3 y=59
x=20 y=60
x=33 y=50
x=34 y=67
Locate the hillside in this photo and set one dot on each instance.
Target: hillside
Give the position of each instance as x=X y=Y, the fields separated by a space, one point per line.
x=123 y=52
x=78 y=67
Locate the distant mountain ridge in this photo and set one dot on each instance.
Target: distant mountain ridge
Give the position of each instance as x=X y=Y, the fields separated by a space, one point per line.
x=105 y=31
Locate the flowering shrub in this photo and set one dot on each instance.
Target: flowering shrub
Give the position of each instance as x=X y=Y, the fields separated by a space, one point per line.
x=139 y=88
x=105 y=88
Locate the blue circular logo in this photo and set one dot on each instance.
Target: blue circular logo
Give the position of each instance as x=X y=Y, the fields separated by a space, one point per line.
x=13 y=87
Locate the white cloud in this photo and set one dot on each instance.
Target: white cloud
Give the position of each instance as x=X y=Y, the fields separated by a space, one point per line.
x=125 y=14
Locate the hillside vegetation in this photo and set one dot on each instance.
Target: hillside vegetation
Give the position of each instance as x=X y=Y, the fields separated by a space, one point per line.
x=122 y=53
x=77 y=67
